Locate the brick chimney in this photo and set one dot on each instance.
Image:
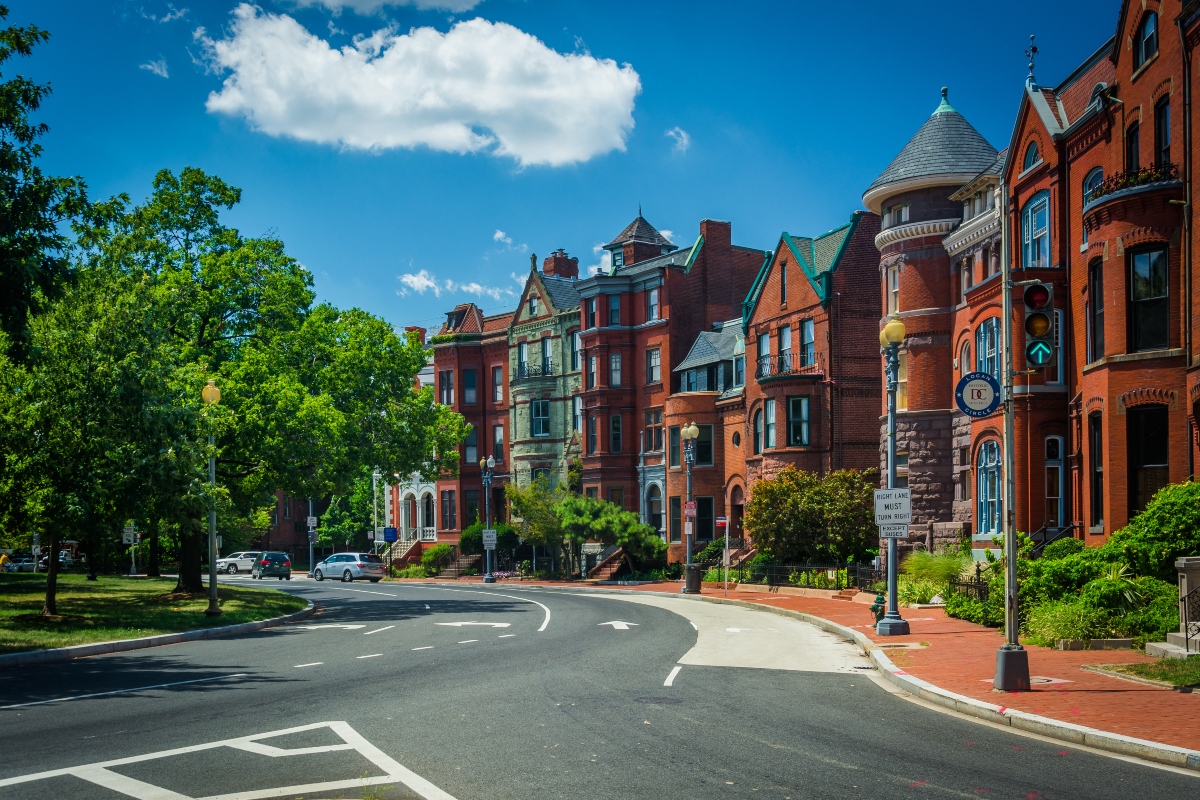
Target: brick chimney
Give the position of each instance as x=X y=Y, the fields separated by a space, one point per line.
x=419 y=330
x=558 y=264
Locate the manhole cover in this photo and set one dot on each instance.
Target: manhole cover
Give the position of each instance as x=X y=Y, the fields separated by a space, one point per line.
x=658 y=701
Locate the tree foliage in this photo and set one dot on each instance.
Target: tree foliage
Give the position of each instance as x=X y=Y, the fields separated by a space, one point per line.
x=800 y=517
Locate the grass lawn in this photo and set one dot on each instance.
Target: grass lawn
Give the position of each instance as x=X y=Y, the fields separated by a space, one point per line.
x=120 y=608
x=1175 y=671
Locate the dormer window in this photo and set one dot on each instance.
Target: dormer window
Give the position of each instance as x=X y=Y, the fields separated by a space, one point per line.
x=618 y=258
x=1031 y=155
x=1145 y=44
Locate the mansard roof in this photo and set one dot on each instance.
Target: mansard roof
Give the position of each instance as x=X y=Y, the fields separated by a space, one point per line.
x=946 y=145
x=640 y=231
x=712 y=347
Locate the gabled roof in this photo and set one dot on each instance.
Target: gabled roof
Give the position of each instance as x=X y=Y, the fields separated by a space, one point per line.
x=640 y=231
x=818 y=258
x=712 y=347
x=465 y=318
x=945 y=145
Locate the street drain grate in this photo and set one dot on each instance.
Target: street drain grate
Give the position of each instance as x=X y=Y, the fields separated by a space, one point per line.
x=862 y=667
x=658 y=701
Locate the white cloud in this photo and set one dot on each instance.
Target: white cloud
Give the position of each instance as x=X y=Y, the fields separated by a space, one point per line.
x=372 y=6
x=480 y=87
x=499 y=236
x=519 y=280
x=669 y=236
x=172 y=14
x=682 y=139
x=423 y=281
x=603 y=265
x=158 y=67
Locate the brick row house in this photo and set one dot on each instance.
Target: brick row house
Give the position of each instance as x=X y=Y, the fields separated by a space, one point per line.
x=1096 y=178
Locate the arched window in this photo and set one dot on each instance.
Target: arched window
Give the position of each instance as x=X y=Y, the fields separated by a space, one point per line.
x=964 y=358
x=1035 y=232
x=1031 y=155
x=987 y=347
x=758 y=431
x=988 y=470
x=1090 y=184
x=1145 y=44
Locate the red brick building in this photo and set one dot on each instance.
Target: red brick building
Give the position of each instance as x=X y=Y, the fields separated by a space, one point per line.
x=471 y=365
x=638 y=323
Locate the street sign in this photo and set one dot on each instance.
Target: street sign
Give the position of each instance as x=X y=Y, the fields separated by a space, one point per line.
x=893 y=531
x=312 y=523
x=977 y=394
x=689 y=508
x=722 y=522
x=893 y=506
x=489 y=539
x=390 y=535
x=370 y=536
x=127 y=537
x=312 y=537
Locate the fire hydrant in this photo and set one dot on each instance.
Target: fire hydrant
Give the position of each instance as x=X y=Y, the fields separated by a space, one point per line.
x=879 y=606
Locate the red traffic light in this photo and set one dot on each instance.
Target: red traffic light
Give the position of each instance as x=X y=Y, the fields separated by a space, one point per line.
x=1037 y=296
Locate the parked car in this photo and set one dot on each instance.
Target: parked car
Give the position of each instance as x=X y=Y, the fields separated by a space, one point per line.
x=272 y=565
x=238 y=562
x=350 y=567
x=65 y=561
x=21 y=564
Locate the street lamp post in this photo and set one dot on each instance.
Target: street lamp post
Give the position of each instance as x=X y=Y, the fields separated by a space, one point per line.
x=375 y=476
x=211 y=396
x=486 y=468
x=691 y=583
x=890 y=338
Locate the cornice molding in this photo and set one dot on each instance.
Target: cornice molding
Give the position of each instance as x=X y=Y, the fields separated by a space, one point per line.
x=973 y=232
x=915 y=230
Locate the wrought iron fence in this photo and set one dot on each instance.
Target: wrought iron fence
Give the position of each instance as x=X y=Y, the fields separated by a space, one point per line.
x=535 y=370
x=976 y=589
x=812 y=576
x=1045 y=536
x=1156 y=173
x=787 y=363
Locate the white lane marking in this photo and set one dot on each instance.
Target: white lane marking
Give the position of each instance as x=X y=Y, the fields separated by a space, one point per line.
x=310 y=664
x=427 y=606
x=485 y=624
x=738 y=630
x=124 y=691
x=618 y=625
x=427 y=647
x=694 y=625
x=670 y=681
x=373 y=655
x=506 y=636
x=326 y=625
x=377 y=630
x=468 y=641
x=99 y=773
x=545 y=621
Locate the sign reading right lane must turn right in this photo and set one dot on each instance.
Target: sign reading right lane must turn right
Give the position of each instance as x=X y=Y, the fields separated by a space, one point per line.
x=893 y=507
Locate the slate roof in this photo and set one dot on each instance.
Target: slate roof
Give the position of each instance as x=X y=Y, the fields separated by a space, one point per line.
x=564 y=294
x=946 y=144
x=712 y=347
x=820 y=253
x=640 y=231
x=677 y=258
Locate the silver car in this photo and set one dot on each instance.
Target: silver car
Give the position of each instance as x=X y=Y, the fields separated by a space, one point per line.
x=350 y=567
x=238 y=562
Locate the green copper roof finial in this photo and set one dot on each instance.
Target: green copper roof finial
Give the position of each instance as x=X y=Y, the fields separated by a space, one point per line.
x=945 y=107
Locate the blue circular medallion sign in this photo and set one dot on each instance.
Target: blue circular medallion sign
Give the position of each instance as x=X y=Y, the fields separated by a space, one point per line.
x=977 y=394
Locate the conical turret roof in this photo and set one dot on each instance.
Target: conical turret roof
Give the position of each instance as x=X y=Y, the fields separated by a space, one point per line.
x=945 y=145
x=640 y=231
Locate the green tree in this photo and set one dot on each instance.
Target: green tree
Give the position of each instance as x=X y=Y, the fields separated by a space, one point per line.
x=590 y=519
x=349 y=514
x=34 y=262
x=532 y=510
x=800 y=517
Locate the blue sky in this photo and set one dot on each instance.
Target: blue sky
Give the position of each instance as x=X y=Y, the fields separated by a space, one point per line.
x=459 y=136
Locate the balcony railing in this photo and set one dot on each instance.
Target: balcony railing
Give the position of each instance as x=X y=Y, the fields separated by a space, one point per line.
x=1157 y=173
x=788 y=363
x=543 y=370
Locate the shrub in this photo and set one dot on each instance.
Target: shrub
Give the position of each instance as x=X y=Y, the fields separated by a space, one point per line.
x=1167 y=529
x=1157 y=616
x=917 y=591
x=1114 y=591
x=411 y=571
x=430 y=557
x=470 y=542
x=960 y=606
x=1062 y=548
x=1066 y=619
x=937 y=568
x=715 y=551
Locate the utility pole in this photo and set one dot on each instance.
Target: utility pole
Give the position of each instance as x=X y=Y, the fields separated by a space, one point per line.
x=1012 y=660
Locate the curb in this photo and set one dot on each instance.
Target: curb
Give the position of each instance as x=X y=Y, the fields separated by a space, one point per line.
x=122 y=645
x=1032 y=723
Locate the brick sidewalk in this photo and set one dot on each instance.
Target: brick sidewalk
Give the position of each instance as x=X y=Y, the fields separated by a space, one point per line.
x=961 y=658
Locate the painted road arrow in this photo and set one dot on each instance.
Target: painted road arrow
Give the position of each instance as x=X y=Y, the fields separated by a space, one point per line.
x=484 y=624
x=618 y=625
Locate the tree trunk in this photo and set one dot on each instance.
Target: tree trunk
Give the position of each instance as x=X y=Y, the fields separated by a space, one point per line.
x=191 y=557
x=50 y=608
x=152 y=570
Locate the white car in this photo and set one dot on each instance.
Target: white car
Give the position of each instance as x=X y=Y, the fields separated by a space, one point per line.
x=350 y=567
x=238 y=562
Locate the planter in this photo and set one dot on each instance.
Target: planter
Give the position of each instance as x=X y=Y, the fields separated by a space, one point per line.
x=1094 y=644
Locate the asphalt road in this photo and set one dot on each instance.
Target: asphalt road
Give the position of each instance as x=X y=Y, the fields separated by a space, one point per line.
x=539 y=699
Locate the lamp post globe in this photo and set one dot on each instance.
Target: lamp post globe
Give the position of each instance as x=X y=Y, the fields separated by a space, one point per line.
x=892 y=334
x=211 y=395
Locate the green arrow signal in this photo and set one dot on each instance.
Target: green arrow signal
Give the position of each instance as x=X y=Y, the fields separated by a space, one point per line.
x=1038 y=354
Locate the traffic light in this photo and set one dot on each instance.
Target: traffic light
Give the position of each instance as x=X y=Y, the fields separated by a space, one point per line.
x=1039 y=325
